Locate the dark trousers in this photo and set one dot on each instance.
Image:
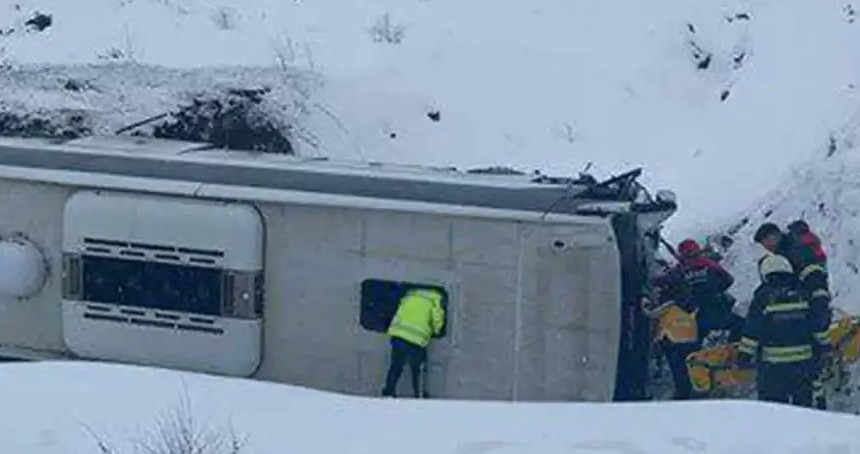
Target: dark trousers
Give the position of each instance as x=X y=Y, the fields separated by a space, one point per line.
x=789 y=383
x=676 y=356
x=403 y=352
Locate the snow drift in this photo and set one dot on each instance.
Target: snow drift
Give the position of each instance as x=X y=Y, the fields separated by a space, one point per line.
x=120 y=405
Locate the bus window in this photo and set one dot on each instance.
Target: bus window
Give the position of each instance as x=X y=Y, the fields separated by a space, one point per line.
x=381 y=298
x=152 y=285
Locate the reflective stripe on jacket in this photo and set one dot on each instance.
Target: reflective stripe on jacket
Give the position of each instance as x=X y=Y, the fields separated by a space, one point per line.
x=419 y=317
x=779 y=328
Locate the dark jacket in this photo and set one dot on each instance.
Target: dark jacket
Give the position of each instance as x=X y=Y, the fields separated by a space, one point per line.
x=780 y=326
x=807 y=257
x=669 y=288
x=704 y=284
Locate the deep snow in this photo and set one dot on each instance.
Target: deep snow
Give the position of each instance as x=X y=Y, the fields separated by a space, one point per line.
x=121 y=405
x=550 y=84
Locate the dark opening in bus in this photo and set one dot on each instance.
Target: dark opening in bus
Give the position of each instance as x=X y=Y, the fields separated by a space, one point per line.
x=152 y=285
x=634 y=349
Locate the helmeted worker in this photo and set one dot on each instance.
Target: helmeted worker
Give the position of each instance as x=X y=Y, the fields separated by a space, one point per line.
x=806 y=254
x=419 y=317
x=779 y=336
x=705 y=285
x=809 y=261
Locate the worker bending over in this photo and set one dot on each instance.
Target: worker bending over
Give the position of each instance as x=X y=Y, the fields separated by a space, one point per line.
x=419 y=317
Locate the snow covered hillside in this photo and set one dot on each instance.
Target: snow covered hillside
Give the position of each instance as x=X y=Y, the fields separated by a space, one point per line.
x=713 y=98
x=125 y=406
x=827 y=195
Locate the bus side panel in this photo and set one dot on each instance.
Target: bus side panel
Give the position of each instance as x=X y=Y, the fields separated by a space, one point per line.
x=36 y=210
x=569 y=323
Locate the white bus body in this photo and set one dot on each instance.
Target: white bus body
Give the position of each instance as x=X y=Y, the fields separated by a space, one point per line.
x=285 y=269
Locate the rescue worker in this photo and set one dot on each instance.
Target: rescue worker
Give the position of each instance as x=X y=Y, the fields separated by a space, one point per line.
x=677 y=334
x=418 y=319
x=806 y=254
x=804 y=251
x=779 y=336
x=705 y=284
x=811 y=261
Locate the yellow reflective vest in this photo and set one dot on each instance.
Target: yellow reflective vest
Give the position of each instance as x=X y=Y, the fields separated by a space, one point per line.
x=678 y=325
x=419 y=317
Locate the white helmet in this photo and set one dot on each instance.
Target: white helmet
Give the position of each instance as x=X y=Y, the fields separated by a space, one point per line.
x=774 y=264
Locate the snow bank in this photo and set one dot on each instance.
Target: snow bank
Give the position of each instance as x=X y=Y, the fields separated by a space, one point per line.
x=693 y=91
x=102 y=99
x=57 y=407
x=825 y=192
x=827 y=196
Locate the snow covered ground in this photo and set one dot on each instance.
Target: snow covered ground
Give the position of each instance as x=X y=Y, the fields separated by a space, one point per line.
x=122 y=406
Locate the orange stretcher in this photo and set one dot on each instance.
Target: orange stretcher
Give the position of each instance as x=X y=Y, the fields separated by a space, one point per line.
x=713 y=372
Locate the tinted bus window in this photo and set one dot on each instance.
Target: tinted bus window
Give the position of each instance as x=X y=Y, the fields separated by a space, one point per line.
x=152 y=285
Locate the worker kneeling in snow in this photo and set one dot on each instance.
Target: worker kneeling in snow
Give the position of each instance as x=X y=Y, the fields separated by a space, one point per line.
x=419 y=317
x=779 y=335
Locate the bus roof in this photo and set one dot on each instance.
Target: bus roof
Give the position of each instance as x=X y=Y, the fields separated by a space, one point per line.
x=190 y=162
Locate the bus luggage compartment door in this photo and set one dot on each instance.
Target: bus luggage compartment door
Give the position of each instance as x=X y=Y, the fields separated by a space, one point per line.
x=163 y=281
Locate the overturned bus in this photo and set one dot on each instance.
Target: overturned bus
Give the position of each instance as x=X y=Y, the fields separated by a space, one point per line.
x=178 y=255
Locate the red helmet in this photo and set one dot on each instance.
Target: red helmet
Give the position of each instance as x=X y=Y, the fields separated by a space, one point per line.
x=688 y=248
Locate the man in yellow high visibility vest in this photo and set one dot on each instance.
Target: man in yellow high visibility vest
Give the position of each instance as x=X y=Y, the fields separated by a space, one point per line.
x=677 y=335
x=419 y=317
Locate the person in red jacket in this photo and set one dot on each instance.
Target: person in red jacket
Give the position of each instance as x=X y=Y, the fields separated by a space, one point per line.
x=815 y=283
x=705 y=283
x=800 y=231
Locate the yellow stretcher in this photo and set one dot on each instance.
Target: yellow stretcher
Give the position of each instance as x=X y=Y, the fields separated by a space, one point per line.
x=713 y=372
